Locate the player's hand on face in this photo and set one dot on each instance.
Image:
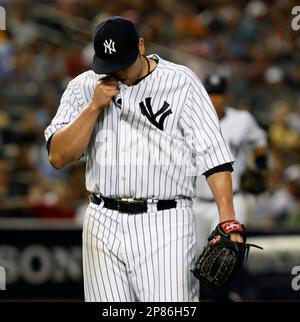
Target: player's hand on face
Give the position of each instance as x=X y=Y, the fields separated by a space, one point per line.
x=105 y=89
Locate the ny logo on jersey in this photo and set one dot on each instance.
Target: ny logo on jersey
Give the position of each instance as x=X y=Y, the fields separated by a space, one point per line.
x=164 y=111
x=109 y=46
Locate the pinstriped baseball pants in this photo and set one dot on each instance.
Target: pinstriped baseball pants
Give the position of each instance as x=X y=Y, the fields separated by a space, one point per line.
x=139 y=257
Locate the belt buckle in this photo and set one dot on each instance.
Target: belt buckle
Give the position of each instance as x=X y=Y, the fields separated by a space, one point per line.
x=132 y=200
x=126 y=200
x=123 y=202
x=152 y=201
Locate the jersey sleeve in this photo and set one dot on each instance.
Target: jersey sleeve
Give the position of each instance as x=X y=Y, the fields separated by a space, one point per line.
x=256 y=136
x=72 y=102
x=201 y=129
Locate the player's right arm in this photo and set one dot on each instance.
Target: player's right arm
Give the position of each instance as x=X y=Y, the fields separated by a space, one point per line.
x=69 y=142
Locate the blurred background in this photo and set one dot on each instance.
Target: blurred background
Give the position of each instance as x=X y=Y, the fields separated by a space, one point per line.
x=47 y=43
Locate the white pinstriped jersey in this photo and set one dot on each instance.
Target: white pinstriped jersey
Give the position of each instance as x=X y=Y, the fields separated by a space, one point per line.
x=153 y=138
x=241 y=133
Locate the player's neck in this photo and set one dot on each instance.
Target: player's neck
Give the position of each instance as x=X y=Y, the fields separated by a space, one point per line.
x=148 y=65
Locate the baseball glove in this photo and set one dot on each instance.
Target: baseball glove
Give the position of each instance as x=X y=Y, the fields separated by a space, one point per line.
x=253 y=181
x=222 y=258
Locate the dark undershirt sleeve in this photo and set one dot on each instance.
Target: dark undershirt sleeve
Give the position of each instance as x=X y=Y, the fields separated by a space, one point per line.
x=220 y=168
x=48 y=143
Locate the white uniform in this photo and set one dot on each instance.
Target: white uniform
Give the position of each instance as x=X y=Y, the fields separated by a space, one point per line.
x=241 y=132
x=149 y=143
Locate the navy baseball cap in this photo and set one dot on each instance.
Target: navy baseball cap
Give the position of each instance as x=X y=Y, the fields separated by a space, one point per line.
x=215 y=84
x=115 y=43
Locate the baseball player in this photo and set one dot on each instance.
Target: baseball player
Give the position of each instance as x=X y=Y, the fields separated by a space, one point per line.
x=242 y=134
x=146 y=126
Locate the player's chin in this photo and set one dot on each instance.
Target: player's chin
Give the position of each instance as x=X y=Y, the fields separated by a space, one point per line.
x=121 y=80
x=126 y=81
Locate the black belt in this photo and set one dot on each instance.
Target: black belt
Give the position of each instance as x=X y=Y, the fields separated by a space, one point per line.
x=131 y=207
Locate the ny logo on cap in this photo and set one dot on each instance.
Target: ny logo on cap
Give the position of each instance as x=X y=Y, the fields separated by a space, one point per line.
x=109 y=46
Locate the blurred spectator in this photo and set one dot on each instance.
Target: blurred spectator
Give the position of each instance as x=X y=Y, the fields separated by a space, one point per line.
x=292 y=177
x=51 y=203
x=22 y=28
x=281 y=204
x=6 y=55
x=282 y=136
x=4 y=179
x=294 y=118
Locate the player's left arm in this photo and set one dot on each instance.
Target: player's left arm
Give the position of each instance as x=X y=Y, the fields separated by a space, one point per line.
x=220 y=184
x=201 y=128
